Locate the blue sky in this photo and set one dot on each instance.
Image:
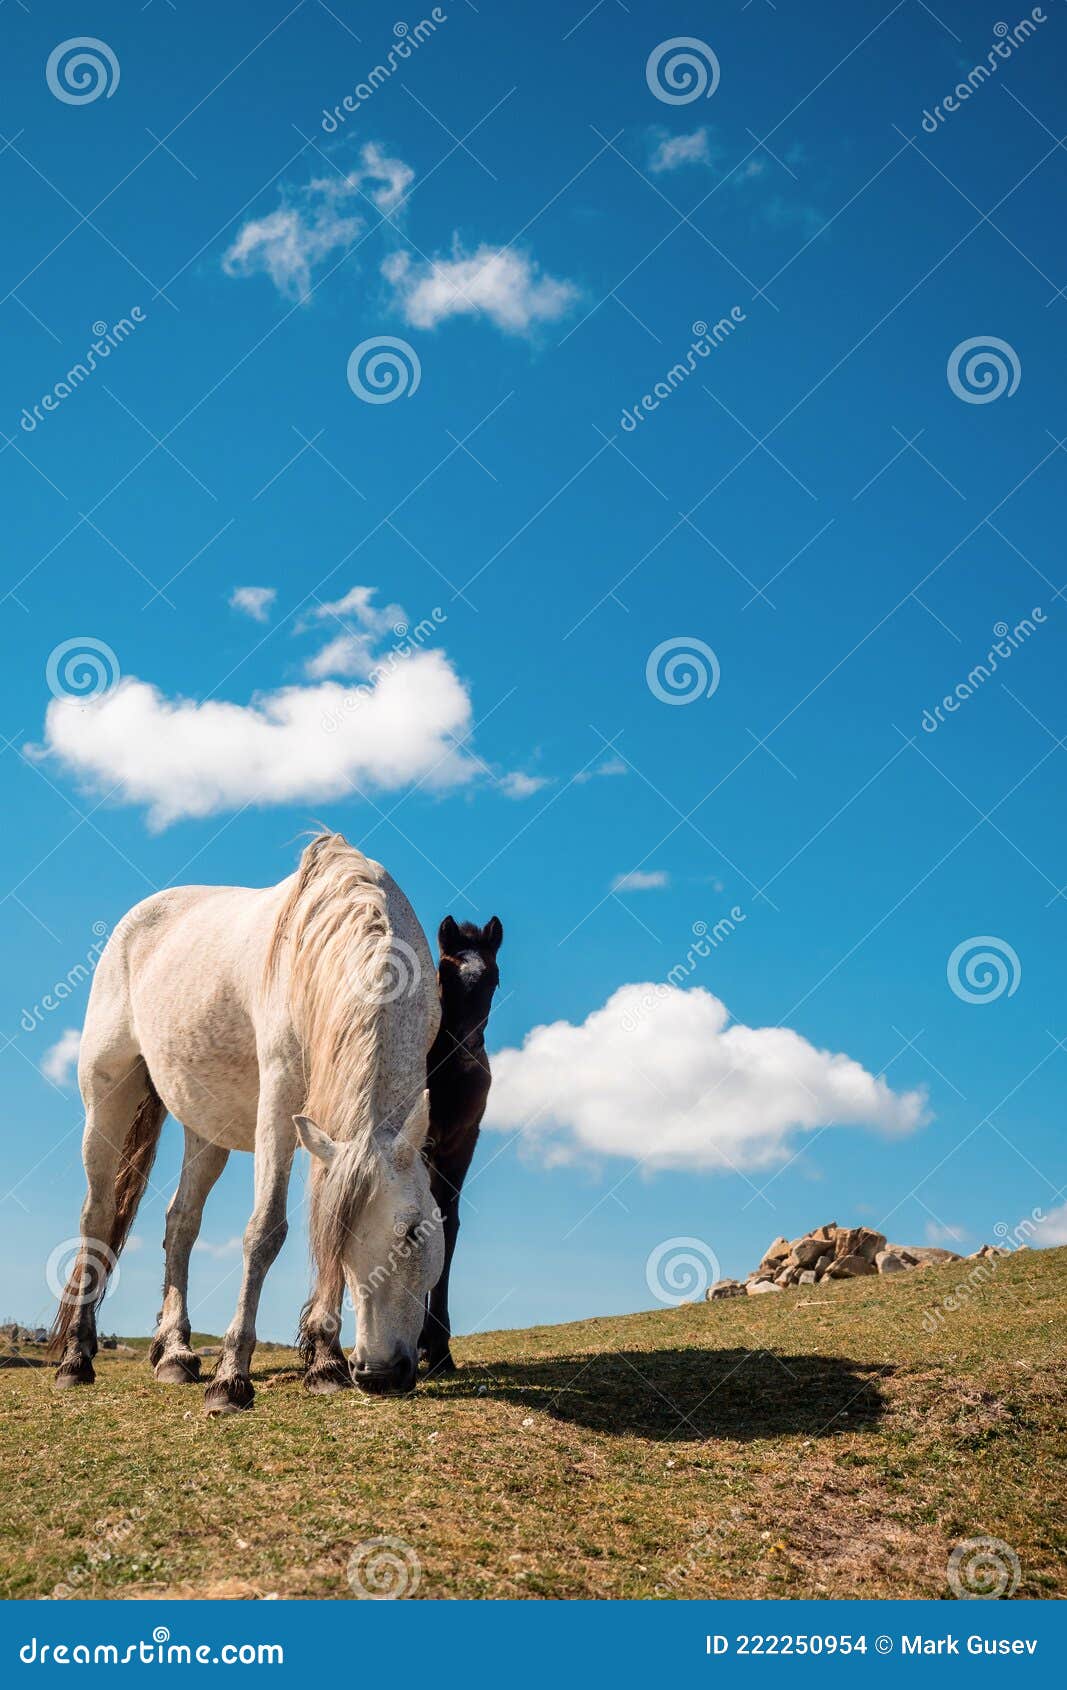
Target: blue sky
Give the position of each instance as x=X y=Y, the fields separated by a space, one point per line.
x=816 y=503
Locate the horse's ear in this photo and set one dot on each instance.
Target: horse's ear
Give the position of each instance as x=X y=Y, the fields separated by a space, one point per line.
x=314 y=1140
x=412 y=1135
x=449 y=937
x=494 y=933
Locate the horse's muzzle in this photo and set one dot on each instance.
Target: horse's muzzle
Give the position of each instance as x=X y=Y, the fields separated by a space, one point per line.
x=396 y=1380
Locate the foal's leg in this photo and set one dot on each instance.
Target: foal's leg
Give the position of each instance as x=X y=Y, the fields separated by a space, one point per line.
x=171 y=1355
x=446 y=1182
x=231 y=1388
x=325 y=1366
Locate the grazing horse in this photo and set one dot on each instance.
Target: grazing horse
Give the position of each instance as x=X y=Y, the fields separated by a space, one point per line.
x=459 y=1080
x=259 y=1018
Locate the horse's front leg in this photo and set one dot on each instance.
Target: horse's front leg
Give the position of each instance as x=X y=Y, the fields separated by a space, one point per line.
x=325 y=1366
x=231 y=1387
x=171 y=1354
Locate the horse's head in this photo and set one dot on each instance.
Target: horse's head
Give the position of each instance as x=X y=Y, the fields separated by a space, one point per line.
x=469 y=976
x=373 y=1213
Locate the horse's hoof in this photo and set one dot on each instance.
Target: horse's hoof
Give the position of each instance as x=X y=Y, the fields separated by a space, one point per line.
x=79 y=1372
x=329 y=1377
x=228 y=1396
x=179 y=1369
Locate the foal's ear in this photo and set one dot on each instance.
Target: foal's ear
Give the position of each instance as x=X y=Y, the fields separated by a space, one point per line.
x=449 y=937
x=493 y=933
x=412 y=1135
x=314 y=1140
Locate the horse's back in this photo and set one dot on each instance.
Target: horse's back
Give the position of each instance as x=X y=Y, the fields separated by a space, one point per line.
x=182 y=976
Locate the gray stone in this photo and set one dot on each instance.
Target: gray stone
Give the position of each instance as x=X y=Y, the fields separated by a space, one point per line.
x=806 y=1252
x=858 y=1241
x=887 y=1261
x=806 y=1276
x=724 y=1288
x=757 y=1287
x=850 y=1267
x=926 y=1255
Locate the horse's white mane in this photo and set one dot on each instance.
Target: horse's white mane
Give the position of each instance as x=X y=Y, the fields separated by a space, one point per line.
x=331 y=946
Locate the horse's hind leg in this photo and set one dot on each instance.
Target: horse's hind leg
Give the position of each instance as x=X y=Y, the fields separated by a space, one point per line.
x=123 y=1117
x=171 y=1355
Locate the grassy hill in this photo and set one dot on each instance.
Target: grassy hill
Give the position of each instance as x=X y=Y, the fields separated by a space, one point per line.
x=822 y=1442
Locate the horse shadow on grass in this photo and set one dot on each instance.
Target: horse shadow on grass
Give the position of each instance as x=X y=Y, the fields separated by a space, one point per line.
x=689 y=1394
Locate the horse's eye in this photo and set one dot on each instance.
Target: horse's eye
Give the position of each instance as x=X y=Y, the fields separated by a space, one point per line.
x=414 y=1235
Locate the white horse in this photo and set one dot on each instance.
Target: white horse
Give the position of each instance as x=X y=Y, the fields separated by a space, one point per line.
x=303 y=1011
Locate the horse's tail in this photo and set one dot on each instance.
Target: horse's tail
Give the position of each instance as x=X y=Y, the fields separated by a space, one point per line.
x=89 y=1275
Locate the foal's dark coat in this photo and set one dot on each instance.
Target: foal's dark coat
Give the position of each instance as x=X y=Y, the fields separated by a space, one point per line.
x=459 y=1079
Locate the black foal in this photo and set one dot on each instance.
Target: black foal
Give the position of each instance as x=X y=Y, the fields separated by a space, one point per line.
x=459 y=1080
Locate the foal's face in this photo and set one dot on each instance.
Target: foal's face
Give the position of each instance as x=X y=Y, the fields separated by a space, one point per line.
x=468 y=976
x=395 y=1255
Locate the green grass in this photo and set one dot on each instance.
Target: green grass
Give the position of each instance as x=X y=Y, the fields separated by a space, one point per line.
x=817 y=1443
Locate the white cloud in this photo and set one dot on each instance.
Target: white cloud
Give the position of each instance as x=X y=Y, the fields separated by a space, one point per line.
x=676 y=150
x=610 y=766
x=660 y=1076
x=229 y=1247
x=255 y=602
x=1053 y=1229
x=363 y=623
x=641 y=880
x=298 y=744
x=518 y=785
x=315 y=221
x=504 y=285
x=60 y=1061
